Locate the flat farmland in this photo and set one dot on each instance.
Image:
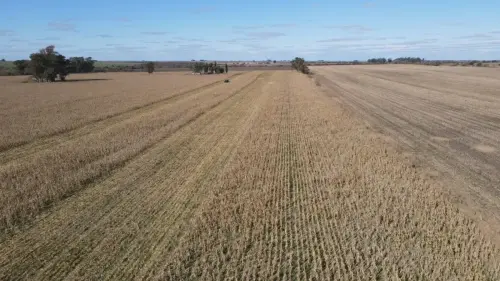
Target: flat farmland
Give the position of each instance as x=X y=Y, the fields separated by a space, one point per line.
x=449 y=116
x=183 y=177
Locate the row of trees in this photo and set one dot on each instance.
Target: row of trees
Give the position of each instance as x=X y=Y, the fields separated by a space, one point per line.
x=379 y=61
x=299 y=64
x=47 y=65
x=209 y=68
x=396 y=60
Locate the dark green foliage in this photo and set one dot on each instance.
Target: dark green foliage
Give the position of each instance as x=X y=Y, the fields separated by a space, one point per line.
x=299 y=64
x=408 y=60
x=208 y=68
x=81 y=65
x=47 y=65
x=21 y=66
x=397 y=60
x=150 y=66
x=198 y=67
x=219 y=70
x=61 y=67
x=226 y=68
x=378 y=61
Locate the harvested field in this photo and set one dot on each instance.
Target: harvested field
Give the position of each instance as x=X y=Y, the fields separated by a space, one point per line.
x=33 y=110
x=449 y=117
x=264 y=178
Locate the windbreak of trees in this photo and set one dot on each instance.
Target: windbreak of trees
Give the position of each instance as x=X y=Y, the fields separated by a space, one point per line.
x=48 y=65
x=209 y=68
x=378 y=60
x=408 y=60
x=299 y=64
x=21 y=66
x=81 y=65
x=396 y=60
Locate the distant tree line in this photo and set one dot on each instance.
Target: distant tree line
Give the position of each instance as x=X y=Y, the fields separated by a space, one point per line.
x=379 y=61
x=209 y=68
x=414 y=60
x=299 y=64
x=47 y=65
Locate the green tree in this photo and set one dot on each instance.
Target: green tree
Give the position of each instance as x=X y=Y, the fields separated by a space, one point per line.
x=21 y=66
x=150 y=66
x=198 y=67
x=47 y=65
x=226 y=68
x=81 y=65
x=299 y=64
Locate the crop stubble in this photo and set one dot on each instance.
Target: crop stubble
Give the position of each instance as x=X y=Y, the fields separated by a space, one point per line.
x=448 y=116
x=264 y=178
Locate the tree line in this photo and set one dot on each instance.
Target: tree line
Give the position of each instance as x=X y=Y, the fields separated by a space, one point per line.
x=209 y=68
x=396 y=60
x=48 y=65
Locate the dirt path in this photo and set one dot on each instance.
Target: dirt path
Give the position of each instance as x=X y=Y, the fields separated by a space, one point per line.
x=265 y=179
x=449 y=116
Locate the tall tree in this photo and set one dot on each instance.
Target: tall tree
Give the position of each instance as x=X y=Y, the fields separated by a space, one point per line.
x=150 y=67
x=47 y=65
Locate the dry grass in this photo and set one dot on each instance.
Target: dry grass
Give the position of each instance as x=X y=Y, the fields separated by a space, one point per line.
x=267 y=180
x=34 y=110
x=449 y=117
x=45 y=170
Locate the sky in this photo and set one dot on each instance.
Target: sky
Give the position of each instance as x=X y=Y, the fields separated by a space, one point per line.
x=252 y=30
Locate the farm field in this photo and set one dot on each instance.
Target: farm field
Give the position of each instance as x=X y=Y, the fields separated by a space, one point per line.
x=269 y=177
x=449 y=116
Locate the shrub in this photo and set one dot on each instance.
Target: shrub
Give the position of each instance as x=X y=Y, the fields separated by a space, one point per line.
x=299 y=64
x=150 y=66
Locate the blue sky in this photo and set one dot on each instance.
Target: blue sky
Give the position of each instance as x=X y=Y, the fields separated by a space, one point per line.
x=252 y=30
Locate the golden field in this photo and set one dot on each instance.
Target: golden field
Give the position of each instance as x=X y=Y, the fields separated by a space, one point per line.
x=273 y=176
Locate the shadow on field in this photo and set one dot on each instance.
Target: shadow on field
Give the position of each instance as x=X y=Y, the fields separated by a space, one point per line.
x=83 y=80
